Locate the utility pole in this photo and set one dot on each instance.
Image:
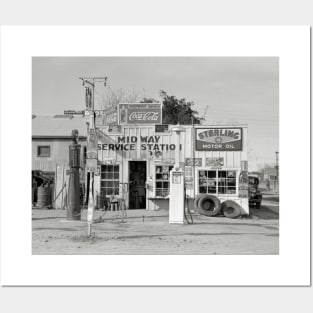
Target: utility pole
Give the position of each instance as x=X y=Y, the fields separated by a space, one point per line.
x=92 y=141
x=277 y=172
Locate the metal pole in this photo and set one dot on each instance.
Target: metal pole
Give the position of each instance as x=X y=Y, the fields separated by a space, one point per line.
x=277 y=172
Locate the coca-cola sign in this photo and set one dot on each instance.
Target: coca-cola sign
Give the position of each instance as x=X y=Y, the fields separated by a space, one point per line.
x=140 y=113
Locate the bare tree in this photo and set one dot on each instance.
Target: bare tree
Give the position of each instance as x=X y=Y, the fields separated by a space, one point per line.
x=113 y=97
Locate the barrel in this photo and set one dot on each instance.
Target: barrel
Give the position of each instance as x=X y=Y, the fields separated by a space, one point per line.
x=34 y=192
x=43 y=196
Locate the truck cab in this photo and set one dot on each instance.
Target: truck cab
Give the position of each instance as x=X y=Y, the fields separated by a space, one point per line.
x=255 y=196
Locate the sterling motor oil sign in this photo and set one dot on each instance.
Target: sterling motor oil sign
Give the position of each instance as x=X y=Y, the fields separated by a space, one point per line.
x=219 y=139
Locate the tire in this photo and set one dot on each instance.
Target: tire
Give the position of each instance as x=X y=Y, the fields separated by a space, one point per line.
x=196 y=201
x=209 y=205
x=231 y=209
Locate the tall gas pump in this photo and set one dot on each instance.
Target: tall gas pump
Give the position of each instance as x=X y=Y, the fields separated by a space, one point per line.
x=177 y=184
x=73 y=207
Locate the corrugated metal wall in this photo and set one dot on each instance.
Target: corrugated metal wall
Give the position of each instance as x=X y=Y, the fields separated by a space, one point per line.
x=59 y=153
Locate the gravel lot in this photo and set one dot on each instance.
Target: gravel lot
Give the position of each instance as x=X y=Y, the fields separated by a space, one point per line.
x=148 y=232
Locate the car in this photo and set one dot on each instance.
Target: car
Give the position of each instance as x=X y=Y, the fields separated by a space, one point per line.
x=255 y=196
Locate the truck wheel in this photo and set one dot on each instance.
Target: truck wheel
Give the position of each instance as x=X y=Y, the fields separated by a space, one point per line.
x=209 y=205
x=196 y=201
x=231 y=209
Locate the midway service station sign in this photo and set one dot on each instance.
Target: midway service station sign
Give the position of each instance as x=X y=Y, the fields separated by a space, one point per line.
x=219 y=139
x=140 y=113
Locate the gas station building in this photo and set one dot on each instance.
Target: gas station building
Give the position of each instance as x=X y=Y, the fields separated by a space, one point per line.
x=134 y=161
x=212 y=158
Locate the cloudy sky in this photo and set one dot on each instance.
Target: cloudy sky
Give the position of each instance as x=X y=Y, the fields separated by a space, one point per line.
x=230 y=90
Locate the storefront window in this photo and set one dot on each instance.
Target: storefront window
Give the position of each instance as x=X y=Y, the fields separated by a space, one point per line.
x=162 y=180
x=217 y=182
x=110 y=179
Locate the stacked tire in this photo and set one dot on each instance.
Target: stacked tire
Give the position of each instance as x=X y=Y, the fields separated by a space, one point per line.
x=210 y=205
x=231 y=209
x=207 y=205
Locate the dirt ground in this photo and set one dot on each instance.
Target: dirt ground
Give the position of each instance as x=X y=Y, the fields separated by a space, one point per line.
x=148 y=232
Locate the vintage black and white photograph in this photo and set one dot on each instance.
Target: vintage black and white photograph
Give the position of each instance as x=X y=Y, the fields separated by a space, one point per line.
x=155 y=155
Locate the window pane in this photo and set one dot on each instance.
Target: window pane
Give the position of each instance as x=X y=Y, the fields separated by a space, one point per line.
x=211 y=174
x=165 y=177
x=158 y=176
x=43 y=151
x=221 y=173
x=202 y=189
x=165 y=169
x=116 y=168
x=116 y=176
x=158 y=169
x=231 y=174
x=212 y=189
x=159 y=184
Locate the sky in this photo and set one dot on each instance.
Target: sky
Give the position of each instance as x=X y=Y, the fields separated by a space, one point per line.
x=226 y=89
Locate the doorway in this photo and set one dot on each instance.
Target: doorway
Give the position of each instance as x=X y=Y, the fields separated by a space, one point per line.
x=137 y=180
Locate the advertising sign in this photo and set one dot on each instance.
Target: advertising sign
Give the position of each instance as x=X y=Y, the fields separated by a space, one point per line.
x=214 y=162
x=219 y=139
x=193 y=161
x=110 y=116
x=140 y=113
x=107 y=117
x=163 y=128
x=72 y=112
x=176 y=178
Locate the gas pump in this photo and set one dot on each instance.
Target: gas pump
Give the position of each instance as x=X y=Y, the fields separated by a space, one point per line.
x=73 y=209
x=177 y=196
x=177 y=185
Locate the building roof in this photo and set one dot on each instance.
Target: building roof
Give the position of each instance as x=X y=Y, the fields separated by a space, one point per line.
x=58 y=126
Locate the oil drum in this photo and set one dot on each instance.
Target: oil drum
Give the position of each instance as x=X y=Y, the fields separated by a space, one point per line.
x=43 y=197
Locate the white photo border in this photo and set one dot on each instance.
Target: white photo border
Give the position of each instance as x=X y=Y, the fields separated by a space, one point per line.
x=290 y=43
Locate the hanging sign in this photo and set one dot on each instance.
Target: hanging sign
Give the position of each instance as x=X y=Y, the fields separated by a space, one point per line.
x=219 y=139
x=72 y=112
x=162 y=128
x=110 y=116
x=140 y=113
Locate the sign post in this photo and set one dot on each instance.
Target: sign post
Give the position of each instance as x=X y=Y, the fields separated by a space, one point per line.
x=91 y=167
